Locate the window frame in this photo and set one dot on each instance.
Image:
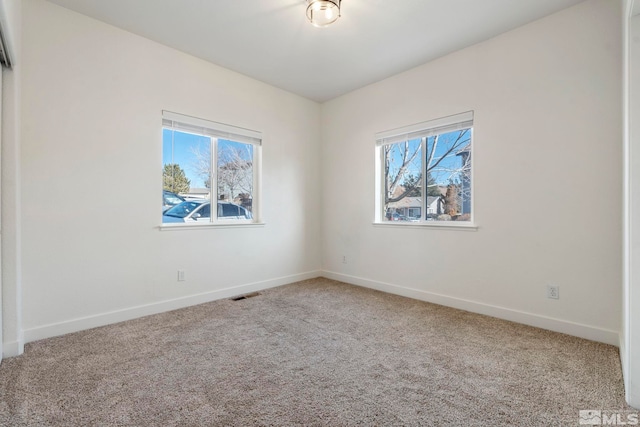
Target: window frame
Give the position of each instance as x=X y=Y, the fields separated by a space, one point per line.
x=423 y=130
x=216 y=131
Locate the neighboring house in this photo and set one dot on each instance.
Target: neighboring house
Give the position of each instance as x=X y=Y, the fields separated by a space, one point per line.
x=434 y=205
x=411 y=207
x=197 y=193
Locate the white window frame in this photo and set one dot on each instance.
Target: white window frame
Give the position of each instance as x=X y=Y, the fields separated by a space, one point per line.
x=215 y=130
x=422 y=130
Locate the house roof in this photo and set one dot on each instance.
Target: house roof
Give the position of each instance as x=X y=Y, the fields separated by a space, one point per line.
x=412 y=202
x=195 y=190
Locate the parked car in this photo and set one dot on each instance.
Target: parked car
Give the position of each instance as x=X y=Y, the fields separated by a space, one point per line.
x=170 y=199
x=200 y=211
x=395 y=217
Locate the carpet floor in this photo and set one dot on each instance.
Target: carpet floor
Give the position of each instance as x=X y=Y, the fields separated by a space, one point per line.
x=313 y=353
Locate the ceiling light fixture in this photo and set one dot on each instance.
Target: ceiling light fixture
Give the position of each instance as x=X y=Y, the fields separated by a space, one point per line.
x=323 y=12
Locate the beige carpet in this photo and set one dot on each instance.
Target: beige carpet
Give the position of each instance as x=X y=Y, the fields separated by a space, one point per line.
x=316 y=353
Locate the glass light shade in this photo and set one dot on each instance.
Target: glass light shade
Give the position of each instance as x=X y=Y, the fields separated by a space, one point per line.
x=323 y=12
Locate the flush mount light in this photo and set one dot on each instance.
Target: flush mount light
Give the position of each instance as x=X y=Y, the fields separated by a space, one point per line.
x=323 y=12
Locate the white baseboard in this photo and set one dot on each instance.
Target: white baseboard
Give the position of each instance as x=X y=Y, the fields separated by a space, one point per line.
x=80 y=324
x=557 y=325
x=12 y=348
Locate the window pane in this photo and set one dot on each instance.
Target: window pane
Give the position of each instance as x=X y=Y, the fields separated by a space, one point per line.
x=403 y=181
x=183 y=212
x=235 y=178
x=204 y=212
x=186 y=174
x=448 y=165
x=424 y=171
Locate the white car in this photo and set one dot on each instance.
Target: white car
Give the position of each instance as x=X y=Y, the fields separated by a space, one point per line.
x=170 y=199
x=200 y=211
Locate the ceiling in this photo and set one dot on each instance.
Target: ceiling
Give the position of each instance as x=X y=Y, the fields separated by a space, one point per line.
x=271 y=41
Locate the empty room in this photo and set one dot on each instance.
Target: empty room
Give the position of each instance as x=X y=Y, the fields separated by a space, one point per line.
x=426 y=212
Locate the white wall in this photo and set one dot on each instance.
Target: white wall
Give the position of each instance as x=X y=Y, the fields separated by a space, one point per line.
x=92 y=97
x=10 y=192
x=547 y=147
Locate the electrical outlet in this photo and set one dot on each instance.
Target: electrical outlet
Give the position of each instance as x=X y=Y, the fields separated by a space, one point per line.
x=181 y=276
x=553 y=291
x=344 y=259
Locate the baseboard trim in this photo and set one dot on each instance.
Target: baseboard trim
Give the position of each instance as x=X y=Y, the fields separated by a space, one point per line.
x=80 y=324
x=606 y=336
x=12 y=349
x=557 y=325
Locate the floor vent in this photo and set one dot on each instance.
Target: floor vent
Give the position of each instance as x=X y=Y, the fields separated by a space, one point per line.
x=241 y=297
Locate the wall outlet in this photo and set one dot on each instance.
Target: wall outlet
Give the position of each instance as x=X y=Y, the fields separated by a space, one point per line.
x=553 y=291
x=344 y=259
x=181 y=276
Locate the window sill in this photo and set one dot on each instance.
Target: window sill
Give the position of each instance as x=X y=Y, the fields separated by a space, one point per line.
x=174 y=227
x=435 y=226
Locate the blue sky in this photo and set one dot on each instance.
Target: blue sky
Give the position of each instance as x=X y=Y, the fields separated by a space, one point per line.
x=178 y=147
x=440 y=173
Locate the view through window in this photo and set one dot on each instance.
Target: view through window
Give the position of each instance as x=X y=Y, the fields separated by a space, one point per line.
x=425 y=171
x=203 y=162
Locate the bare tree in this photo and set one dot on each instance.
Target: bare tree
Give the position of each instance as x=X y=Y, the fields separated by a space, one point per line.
x=234 y=169
x=433 y=162
x=400 y=172
x=403 y=178
x=201 y=163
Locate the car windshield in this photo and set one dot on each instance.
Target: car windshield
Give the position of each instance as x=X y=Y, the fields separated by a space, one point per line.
x=171 y=199
x=183 y=209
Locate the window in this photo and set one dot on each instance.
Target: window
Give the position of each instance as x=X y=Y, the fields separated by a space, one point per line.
x=424 y=172
x=190 y=147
